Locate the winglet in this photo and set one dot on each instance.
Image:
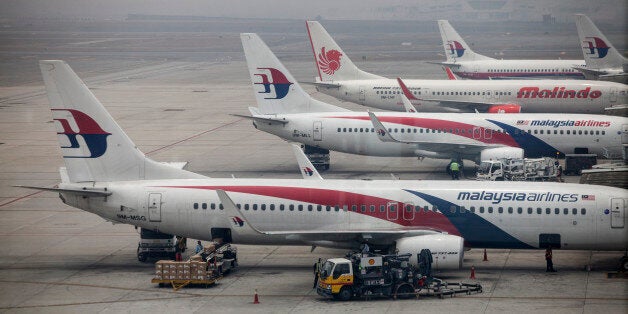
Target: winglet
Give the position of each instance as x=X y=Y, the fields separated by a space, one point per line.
x=234 y=213
x=405 y=90
x=450 y=73
x=407 y=104
x=308 y=170
x=382 y=132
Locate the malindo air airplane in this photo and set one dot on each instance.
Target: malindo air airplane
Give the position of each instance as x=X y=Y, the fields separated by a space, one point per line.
x=286 y=110
x=603 y=61
x=339 y=77
x=466 y=63
x=107 y=175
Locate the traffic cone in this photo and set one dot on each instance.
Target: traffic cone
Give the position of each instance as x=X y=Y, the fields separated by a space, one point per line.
x=485 y=257
x=255 y=298
x=472 y=272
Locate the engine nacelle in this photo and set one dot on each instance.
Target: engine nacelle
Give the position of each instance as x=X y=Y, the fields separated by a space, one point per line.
x=501 y=152
x=505 y=108
x=447 y=250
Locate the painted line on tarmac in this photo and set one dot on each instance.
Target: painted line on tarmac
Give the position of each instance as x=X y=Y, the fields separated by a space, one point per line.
x=193 y=136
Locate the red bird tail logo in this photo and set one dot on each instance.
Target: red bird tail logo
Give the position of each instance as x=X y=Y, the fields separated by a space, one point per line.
x=329 y=61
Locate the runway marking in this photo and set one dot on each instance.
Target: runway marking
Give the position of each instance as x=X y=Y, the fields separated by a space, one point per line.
x=20 y=198
x=193 y=136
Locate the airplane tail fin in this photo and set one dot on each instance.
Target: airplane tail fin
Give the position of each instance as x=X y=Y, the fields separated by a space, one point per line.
x=276 y=90
x=456 y=49
x=332 y=63
x=94 y=146
x=599 y=53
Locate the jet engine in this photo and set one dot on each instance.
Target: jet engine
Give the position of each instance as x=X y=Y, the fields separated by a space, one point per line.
x=447 y=250
x=505 y=108
x=501 y=152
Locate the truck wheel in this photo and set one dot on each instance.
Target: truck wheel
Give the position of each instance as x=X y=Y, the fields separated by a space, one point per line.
x=142 y=257
x=405 y=291
x=344 y=294
x=623 y=266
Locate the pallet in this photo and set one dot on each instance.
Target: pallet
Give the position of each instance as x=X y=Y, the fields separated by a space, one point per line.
x=180 y=283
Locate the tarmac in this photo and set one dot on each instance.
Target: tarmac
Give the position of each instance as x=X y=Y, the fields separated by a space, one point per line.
x=55 y=258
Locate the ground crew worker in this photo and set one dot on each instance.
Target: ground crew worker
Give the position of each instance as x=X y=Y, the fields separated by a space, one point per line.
x=317 y=271
x=455 y=170
x=199 y=247
x=548 y=260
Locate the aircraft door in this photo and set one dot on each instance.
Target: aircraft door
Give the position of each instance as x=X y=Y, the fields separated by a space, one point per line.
x=477 y=133
x=392 y=212
x=612 y=96
x=317 y=131
x=617 y=212
x=496 y=95
x=624 y=134
x=362 y=94
x=488 y=134
x=154 y=207
x=408 y=211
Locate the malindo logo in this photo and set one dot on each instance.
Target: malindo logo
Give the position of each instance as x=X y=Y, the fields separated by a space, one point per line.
x=596 y=47
x=93 y=135
x=308 y=171
x=498 y=197
x=278 y=81
x=455 y=48
x=329 y=61
x=557 y=92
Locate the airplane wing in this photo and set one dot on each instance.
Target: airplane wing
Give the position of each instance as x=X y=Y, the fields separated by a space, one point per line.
x=80 y=192
x=449 y=146
x=447 y=64
x=322 y=84
x=262 y=119
x=308 y=170
x=318 y=235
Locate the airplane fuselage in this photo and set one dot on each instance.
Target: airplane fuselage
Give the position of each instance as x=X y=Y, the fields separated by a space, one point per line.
x=533 y=96
x=466 y=135
x=495 y=69
x=487 y=215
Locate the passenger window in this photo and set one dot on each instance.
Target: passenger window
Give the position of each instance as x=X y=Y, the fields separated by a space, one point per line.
x=272 y=206
x=529 y=210
x=195 y=205
x=490 y=209
x=481 y=209
x=254 y=206
x=309 y=208
x=204 y=206
x=354 y=208
x=583 y=211
x=300 y=207
x=319 y=207
x=556 y=211
x=372 y=208
x=452 y=209
x=519 y=210
x=328 y=208
x=246 y=206
x=281 y=207
x=510 y=210
x=382 y=208
x=539 y=210
x=574 y=211
x=220 y=207
x=566 y=211
x=500 y=210
x=291 y=207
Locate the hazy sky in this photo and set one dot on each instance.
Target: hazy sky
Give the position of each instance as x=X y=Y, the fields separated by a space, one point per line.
x=298 y=9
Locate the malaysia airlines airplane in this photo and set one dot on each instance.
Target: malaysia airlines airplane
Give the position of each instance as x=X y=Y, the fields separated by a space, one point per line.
x=603 y=61
x=286 y=110
x=107 y=175
x=466 y=63
x=339 y=77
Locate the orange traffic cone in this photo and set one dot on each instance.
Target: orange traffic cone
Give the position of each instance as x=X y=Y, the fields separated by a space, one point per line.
x=472 y=272
x=256 y=298
x=485 y=257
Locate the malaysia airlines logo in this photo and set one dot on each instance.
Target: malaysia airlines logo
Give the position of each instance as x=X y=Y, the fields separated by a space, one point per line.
x=329 y=61
x=596 y=47
x=455 y=48
x=279 y=82
x=237 y=221
x=588 y=197
x=93 y=135
x=308 y=171
x=523 y=122
x=381 y=132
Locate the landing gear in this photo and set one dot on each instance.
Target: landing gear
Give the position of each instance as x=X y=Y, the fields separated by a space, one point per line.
x=623 y=264
x=319 y=157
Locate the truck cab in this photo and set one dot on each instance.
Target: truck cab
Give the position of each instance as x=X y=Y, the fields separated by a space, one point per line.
x=335 y=278
x=155 y=244
x=490 y=170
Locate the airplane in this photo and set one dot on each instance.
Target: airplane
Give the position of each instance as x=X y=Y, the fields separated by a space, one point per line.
x=338 y=76
x=471 y=65
x=603 y=61
x=106 y=174
x=284 y=109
